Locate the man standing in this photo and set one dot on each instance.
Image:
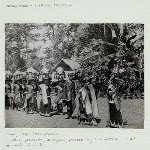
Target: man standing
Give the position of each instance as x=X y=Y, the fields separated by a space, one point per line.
x=71 y=95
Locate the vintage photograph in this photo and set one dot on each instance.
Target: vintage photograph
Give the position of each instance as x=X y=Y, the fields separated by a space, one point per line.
x=74 y=75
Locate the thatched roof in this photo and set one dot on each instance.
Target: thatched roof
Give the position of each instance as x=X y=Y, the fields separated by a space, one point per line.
x=67 y=65
x=74 y=65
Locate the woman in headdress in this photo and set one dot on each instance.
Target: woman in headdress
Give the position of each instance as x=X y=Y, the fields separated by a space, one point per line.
x=114 y=104
x=93 y=100
x=83 y=110
x=46 y=100
x=85 y=106
x=78 y=83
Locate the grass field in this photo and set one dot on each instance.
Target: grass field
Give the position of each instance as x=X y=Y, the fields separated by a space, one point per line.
x=132 y=112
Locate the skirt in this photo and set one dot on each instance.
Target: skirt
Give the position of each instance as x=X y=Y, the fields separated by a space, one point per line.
x=115 y=115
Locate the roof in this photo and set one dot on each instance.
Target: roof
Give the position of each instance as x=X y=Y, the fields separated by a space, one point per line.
x=71 y=63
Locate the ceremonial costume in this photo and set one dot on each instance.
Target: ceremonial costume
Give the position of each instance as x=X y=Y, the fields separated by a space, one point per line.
x=94 y=102
x=46 y=100
x=58 y=99
x=114 y=107
x=29 y=98
x=85 y=107
x=17 y=97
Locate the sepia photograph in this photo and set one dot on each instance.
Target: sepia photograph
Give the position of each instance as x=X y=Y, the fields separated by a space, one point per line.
x=74 y=75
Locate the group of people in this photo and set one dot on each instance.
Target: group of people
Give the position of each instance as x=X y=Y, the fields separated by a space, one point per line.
x=48 y=98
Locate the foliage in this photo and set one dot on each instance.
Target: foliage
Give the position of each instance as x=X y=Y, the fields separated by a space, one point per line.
x=102 y=49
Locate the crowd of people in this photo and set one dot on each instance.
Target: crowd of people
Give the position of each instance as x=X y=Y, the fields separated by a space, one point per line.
x=78 y=94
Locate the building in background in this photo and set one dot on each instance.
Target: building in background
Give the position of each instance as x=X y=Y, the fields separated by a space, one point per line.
x=64 y=69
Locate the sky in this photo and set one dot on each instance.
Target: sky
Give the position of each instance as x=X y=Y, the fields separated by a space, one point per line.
x=40 y=44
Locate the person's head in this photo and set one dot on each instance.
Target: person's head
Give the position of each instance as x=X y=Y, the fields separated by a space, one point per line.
x=46 y=81
x=32 y=82
x=23 y=82
x=80 y=83
x=93 y=81
x=86 y=83
x=39 y=82
x=18 y=82
x=69 y=78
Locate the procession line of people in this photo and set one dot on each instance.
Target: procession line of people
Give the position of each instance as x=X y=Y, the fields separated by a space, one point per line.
x=50 y=98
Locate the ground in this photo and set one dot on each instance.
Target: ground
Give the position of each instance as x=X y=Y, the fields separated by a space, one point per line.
x=132 y=112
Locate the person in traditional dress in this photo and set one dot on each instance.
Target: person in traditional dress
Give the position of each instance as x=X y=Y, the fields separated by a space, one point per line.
x=73 y=94
x=78 y=86
x=24 y=84
x=17 y=96
x=22 y=91
x=35 y=89
x=29 y=96
x=96 y=86
x=114 y=105
x=95 y=111
x=54 y=94
x=39 y=96
x=69 y=102
x=85 y=107
x=46 y=100
x=60 y=95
